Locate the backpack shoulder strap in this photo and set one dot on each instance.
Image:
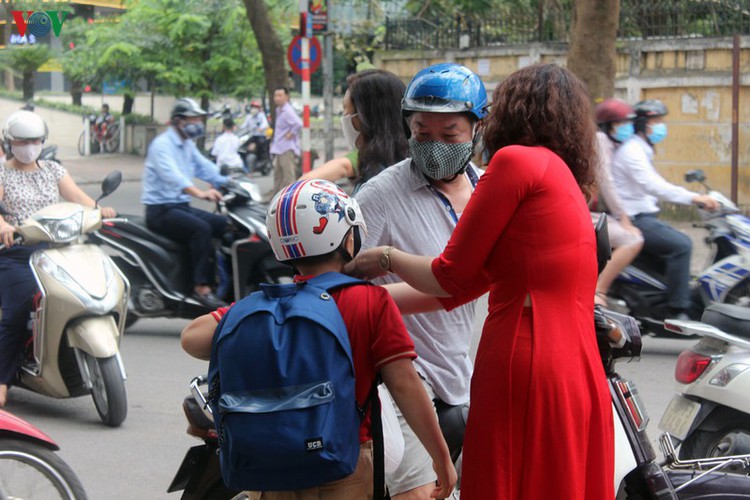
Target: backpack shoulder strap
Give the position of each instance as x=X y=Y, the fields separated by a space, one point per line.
x=329 y=281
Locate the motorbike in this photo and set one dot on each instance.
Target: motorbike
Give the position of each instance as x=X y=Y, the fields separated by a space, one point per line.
x=159 y=269
x=710 y=414
x=29 y=467
x=79 y=313
x=637 y=473
x=199 y=476
x=255 y=152
x=640 y=289
x=49 y=153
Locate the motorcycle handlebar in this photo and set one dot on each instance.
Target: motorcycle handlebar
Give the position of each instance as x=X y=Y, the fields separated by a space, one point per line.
x=16 y=241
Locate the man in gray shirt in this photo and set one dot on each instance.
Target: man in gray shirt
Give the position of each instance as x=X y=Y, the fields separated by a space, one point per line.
x=414 y=205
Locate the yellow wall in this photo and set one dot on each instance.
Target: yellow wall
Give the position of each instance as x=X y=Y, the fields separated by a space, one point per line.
x=692 y=77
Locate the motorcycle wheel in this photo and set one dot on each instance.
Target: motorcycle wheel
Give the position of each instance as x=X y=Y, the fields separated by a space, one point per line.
x=28 y=470
x=108 y=389
x=112 y=142
x=81 y=144
x=731 y=440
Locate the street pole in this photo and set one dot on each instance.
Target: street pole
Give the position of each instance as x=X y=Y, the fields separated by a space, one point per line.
x=306 y=31
x=328 y=90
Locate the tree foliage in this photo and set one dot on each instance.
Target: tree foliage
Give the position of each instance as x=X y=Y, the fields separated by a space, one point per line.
x=25 y=60
x=186 y=47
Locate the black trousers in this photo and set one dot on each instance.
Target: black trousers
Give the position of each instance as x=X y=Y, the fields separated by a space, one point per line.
x=17 y=288
x=192 y=227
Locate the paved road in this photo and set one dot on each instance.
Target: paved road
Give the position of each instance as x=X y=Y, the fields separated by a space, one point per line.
x=139 y=459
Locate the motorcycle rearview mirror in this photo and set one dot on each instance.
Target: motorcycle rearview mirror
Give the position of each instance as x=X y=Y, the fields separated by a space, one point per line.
x=695 y=176
x=110 y=184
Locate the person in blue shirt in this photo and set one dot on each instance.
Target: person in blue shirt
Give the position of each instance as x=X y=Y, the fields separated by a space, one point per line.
x=171 y=163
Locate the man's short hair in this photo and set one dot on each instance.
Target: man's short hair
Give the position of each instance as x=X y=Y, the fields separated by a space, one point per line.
x=106 y=106
x=286 y=90
x=228 y=123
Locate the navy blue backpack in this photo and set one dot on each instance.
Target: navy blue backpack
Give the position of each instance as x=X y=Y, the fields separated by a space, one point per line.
x=281 y=388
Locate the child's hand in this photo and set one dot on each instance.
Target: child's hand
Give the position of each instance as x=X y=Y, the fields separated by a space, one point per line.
x=446 y=480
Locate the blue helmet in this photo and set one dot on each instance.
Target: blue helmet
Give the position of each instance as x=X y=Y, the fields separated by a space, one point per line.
x=446 y=88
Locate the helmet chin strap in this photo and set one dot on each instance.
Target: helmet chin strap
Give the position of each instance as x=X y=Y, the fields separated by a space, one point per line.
x=357 y=246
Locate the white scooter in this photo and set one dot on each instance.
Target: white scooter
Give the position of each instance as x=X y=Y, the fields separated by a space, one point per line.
x=79 y=314
x=711 y=413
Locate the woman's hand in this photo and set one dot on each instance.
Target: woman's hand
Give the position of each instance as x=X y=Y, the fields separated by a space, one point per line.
x=366 y=265
x=108 y=212
x=6 y=234
x=628 y=226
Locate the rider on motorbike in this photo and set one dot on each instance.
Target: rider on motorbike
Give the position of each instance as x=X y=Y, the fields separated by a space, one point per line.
x=641 y=187
x=171 y=163
x=26 y=186
x=615 y=120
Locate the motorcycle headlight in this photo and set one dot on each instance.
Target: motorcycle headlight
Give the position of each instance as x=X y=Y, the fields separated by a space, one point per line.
x=64 y=229
x=97 y=305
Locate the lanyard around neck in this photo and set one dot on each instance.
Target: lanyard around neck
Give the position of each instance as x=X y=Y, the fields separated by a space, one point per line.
x=473 y=178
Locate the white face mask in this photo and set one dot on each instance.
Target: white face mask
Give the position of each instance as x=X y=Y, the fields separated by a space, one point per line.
x=27 y=153
x=350 y=133
x=254 y=111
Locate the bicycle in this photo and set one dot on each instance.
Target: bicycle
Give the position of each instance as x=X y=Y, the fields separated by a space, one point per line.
x=103 y=137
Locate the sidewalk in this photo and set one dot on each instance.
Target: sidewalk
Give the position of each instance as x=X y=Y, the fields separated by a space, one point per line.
x=92 y=169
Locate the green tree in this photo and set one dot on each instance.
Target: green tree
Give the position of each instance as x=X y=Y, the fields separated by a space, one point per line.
x=26 y=60
x=77 y=59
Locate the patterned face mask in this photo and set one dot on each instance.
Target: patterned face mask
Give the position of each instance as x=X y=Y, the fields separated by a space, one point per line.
x=438 y=160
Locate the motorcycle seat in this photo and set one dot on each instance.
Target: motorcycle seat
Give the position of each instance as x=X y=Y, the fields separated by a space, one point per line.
x=136 y=225
x=728 y=318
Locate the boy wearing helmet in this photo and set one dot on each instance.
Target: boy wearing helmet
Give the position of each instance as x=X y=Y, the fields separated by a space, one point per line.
x=171 y=163
x=416 y=204
x=256 y=121
x=615 y=121
x=27 y=185
x=317 y=228
x=641 y=187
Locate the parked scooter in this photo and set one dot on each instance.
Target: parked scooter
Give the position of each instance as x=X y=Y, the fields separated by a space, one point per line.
x=640 y=290
x=29 y=468
x=711 y=412
x=79 y=313
x=637 y=474
x=159 y=269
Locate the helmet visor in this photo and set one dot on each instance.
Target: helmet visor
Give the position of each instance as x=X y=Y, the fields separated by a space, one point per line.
x=432 y=104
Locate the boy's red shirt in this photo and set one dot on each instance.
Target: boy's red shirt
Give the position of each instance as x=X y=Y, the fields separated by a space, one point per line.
x=376 y=333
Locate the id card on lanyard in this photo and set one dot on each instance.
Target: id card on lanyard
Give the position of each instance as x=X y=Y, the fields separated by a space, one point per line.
x=473 y=178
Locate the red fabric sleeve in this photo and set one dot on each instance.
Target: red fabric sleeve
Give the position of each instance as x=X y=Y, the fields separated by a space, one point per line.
x=510 y=175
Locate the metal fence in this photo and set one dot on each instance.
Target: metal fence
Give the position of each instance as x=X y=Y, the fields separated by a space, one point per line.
x=639 y=19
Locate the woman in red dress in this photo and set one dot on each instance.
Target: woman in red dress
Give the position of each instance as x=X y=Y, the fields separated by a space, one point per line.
x=540 y=424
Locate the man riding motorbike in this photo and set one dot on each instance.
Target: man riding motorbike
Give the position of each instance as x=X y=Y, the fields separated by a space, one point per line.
x=171 y=163
x=641 y=187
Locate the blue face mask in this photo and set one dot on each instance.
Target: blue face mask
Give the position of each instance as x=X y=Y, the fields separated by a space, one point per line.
x=193 y=130
x=623 y=132
x=658 y=133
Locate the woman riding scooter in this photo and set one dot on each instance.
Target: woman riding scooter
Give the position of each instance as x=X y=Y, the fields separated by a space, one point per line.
x=26 y=186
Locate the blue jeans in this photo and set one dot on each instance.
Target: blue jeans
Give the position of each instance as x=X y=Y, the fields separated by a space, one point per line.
x=192 y=227
x=17 y=289
x=674 y=249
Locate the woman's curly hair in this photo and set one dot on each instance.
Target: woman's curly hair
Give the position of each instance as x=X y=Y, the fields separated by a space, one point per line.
x=546 y=105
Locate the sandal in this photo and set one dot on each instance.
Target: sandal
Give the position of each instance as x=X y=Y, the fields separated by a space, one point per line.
x=600 y=298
